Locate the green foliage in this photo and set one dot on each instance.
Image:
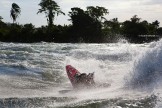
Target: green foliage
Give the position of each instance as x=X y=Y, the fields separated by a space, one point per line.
x=89 y=26
x=27 y=32
x=15 y=11
x=135 y=19
x=133 y=28
x=97 y=12
x=153 y=27
x=50 y=8
x=86 y=24
x=1 y=19
x=2 y=24
x=111 y=30
x=112 y=25
x=159 y=31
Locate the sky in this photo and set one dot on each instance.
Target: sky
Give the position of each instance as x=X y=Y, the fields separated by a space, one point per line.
x=149 y=10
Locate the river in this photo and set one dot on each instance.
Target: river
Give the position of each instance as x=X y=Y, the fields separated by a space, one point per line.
x=34 y=76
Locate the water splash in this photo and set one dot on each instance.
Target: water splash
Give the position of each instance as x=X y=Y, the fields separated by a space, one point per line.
x=147 y=68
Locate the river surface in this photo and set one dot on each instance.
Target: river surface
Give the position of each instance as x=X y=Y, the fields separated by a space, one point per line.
x=34 y=76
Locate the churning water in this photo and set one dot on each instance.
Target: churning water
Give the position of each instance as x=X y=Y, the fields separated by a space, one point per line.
x=33 y=75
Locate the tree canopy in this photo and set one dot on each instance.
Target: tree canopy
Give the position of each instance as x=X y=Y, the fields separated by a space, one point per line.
x=97 y=12
x=50 y=8
x=89 y=26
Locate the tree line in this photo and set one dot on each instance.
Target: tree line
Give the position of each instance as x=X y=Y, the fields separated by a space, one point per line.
x=88 y=26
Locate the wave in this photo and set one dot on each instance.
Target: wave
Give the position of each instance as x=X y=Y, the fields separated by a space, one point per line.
x=147 y=68
x=102 y=55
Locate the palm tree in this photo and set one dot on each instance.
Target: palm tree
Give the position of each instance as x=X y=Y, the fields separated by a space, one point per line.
x=50 y=8
x=15 y=11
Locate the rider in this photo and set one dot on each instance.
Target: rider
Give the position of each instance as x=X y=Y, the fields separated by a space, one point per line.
x=84 y=79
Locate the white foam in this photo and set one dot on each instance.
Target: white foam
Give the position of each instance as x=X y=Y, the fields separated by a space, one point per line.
x=147 y=68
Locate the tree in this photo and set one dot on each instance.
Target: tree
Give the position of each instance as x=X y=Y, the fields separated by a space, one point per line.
x=1 y=19
x=133 y=28
x=159 y=31
x=2 y=24
x=50 y=8
x=27 y=32
x=79 y=17
x=81 y=22
x=111 y=30
x=153 y=27
x=97 y=12
x=85 y=28
x=135 y=19
x=156 y=24
x=113 y=25
x=15 y=11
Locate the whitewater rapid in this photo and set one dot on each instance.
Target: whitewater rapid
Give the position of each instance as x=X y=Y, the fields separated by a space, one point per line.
x=32 y=75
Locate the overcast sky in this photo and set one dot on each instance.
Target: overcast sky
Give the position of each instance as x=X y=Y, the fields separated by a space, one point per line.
x=149 y=10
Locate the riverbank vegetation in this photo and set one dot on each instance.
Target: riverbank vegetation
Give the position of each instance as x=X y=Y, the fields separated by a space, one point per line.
x=88 y=26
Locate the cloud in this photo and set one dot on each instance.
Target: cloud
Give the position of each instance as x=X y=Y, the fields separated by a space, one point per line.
x=154 y=2
x=5 y=3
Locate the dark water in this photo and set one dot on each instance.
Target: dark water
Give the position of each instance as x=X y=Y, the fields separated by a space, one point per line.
x=34 y=76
